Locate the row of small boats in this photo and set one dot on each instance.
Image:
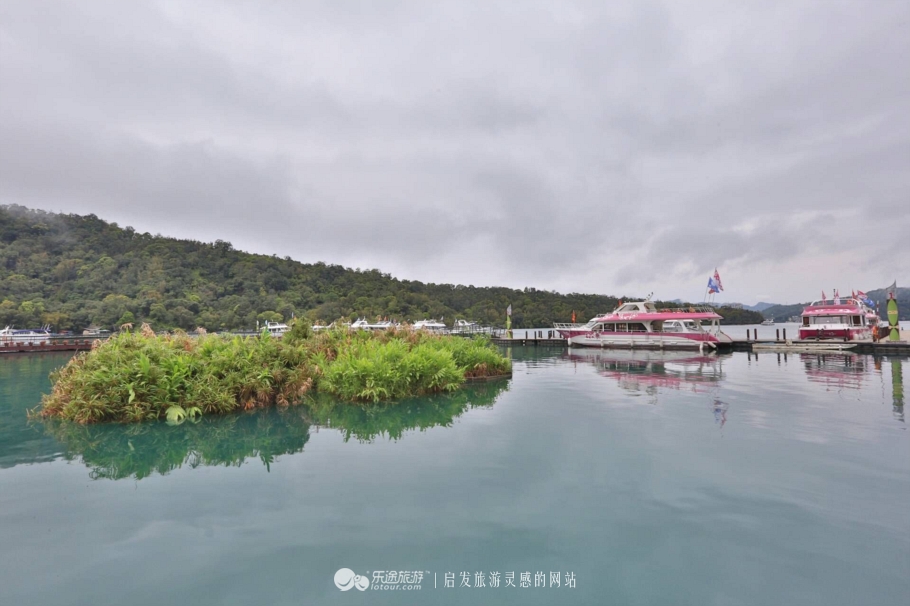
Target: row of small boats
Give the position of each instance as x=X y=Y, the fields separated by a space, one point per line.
x=641 y=324
x=460 y=327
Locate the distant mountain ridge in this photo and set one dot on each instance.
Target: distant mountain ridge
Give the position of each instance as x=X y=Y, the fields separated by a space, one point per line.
x=760 y=306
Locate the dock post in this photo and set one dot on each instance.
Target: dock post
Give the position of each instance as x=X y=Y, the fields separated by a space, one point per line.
x=778 y=335
x=785 y=335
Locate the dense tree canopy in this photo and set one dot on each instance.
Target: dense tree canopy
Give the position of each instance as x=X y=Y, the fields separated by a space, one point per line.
x=74 y=271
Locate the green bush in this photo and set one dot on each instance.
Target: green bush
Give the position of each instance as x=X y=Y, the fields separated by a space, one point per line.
x=142 y=376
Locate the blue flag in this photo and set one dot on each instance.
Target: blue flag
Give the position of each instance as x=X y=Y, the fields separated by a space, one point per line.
x=712 y=285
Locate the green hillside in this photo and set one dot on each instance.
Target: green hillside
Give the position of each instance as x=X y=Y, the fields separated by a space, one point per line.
x=74 y=271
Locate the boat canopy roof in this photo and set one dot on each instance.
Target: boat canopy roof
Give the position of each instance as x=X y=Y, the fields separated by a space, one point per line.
x=646 y=311
x=830 y=308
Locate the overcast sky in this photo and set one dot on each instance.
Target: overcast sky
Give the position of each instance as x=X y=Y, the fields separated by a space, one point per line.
x=609 y=147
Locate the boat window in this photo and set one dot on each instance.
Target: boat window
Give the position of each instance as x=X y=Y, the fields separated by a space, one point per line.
x=621 y=328
x=806 y=321
x=637 y=327
x=857 y=321
x=830 y=319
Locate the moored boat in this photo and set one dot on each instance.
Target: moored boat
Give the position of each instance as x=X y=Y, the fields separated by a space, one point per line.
x=363 y=324
x=275 y=329
x=845 y=319
x=22 y=336
x=432 y=325
x=642 y=324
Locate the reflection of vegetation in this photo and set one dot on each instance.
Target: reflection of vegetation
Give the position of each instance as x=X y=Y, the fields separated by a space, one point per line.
x=143 y=376
x=118 y=451
x=367 y=422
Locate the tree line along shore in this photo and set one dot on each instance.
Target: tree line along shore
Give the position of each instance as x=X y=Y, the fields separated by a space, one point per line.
x=73 y=272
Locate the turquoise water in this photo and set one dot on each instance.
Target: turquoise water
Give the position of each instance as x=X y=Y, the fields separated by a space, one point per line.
x=649 y=478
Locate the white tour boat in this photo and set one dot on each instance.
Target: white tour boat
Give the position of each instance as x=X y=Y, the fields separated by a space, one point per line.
x=31 y=336
x=432 y=325
x=363 y=324
x=275 y=329
x=642 y=324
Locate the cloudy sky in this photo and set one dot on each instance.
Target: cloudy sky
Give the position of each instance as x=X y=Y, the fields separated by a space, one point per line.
x=609 y=147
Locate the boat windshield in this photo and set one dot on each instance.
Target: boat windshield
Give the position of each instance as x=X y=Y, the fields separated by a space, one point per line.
x=682 y=326
x=826 y=320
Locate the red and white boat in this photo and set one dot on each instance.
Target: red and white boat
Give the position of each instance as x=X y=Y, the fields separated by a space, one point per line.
x=846 y=319
x=642 y=324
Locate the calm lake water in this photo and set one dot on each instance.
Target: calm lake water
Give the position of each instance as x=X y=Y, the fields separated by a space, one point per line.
x=648 y=479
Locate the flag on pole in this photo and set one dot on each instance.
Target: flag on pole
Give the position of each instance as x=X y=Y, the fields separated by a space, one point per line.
x=836 y=297
x=824 y=298
x=509 y=310
x=712 y=286
x=864 y=298
x=573 y=316
x=720 y=285
x=891 y=289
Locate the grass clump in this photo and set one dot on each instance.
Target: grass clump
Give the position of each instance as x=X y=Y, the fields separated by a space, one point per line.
x=142 y=376
x=137 y=377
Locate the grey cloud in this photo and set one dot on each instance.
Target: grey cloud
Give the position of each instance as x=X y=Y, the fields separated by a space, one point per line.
x=582 y=146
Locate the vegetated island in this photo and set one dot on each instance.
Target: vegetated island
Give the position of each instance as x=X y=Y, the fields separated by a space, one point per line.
x=74 y=272
x=140 y=376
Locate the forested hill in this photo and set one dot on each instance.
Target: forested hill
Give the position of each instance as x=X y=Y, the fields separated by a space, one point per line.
x=74 y=271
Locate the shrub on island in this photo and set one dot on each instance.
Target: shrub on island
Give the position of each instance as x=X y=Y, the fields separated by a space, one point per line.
x=138 y=376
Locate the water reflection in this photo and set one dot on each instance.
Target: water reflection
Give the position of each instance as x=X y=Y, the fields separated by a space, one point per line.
x=720 y=413
x=120 y=451
x=647 y=371
x=897 y=389
x=840 y=371
x=391 y=421
x=137 y=451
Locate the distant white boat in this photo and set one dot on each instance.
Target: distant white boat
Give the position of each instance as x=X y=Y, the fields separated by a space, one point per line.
x=363 y=324
x=429 y=325
x=31 y=335
x=276 y=329
x=768 y=322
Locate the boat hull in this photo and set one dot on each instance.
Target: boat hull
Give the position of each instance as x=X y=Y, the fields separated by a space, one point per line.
x=644 y=340
x=839 y=334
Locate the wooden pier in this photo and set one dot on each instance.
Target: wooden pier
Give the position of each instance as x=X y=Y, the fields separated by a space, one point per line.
x=52 y=344
x=901 y=348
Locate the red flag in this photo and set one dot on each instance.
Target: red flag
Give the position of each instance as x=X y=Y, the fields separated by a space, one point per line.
x=720 y=284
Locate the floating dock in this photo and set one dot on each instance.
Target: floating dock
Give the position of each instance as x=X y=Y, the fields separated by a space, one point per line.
x=860 y=347
x=52 y=344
